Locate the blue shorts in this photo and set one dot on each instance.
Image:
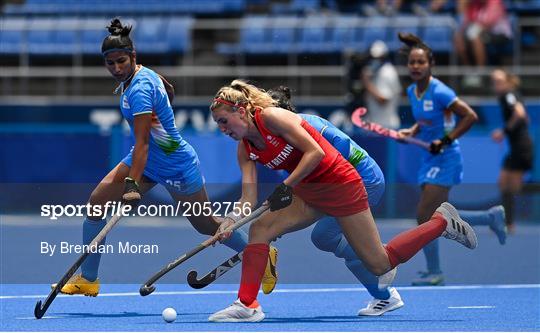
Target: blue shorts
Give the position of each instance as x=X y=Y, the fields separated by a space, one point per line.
x=184 y=178
x=445 y=169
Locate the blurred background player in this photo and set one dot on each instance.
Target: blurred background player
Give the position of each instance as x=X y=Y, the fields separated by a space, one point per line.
x=434 y=106
x=520 y=158
x=320 y=182
x=382 y=87
x=160 y=155
x=327 y=234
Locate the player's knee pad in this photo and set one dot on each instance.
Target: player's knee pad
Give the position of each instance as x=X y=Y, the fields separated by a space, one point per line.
x=326 y=235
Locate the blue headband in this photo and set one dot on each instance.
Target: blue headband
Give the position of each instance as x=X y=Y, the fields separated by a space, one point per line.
x=118 y=49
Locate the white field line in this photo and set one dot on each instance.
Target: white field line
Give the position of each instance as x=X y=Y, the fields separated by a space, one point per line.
x=472 y=307
x=299 y=290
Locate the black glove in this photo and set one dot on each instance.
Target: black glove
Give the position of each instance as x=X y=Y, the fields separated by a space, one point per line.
x=437 y=146
x=280 y=198
x=131 y=195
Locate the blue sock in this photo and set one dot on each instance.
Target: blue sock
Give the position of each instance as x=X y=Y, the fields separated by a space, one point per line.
x=370 y=281
x=327 y=236
x=90 y=266
x=476 y=217
x=431 y=251
x=237 y=241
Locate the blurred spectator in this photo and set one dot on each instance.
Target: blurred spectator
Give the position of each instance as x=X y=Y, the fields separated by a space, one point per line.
x=427 y=7
x=355 y=63
x=483 y=22
x=381 y=7
x=515 y=122
x=382 y=87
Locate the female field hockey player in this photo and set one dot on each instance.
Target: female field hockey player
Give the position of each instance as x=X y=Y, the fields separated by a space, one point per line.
x=434 y=106
x=320 y=182
x=327 y=234
x=520 y=158
x=160 y=155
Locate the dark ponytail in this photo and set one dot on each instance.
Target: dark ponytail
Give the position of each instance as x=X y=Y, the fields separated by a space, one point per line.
x=411 y=42
x=118 y=39
x=282 y=95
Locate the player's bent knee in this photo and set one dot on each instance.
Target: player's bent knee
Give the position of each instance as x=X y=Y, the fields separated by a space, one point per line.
x=324 y=241
x=204 y=225
x=259 y=232
x=376 y=268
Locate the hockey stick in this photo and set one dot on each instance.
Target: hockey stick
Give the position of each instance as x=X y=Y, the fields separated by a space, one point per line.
x=214 y=274
x=147 y=288
x=40 y=310
x=357 y=120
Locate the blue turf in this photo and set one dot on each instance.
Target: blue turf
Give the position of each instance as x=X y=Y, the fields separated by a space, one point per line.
x=511 y=308
x=514 y=306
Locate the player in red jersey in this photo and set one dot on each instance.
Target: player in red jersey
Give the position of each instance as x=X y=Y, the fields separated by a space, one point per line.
x=320 y=182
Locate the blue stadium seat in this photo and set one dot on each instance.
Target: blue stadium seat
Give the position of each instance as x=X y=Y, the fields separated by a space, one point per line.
x=399 y=24
x=123 y=7
x=438 y=32
x=255 y=35
x=150 y=35
x=313 y=35
x=178 y=34
x=342 y=34
x=283 y=34
x=375 y=28
x=296 y=7
x=92 y=35
x=66 y=37
x=12 y=36
x=527 y=6
x=40 y=36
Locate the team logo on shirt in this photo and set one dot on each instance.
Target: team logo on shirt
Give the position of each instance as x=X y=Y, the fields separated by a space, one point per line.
x=253 y=157
x=125 y=103
x=428 y=105
x=273 y=141
x=281 y=157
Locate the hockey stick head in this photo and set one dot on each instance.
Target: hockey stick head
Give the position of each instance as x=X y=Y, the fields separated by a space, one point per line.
x=38 y=311
x=375 y=128
x=146 y=290
x=194 y=282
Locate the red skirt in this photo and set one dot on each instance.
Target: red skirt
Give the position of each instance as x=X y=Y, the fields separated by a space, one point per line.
x=338 y=192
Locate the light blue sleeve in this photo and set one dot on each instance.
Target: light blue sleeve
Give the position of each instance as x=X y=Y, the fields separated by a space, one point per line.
x=141 y=98
x=341 y=144
x=444 y=96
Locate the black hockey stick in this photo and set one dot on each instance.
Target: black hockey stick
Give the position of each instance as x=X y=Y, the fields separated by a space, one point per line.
x=40 y=310
x=147 y=288
x=214 y=274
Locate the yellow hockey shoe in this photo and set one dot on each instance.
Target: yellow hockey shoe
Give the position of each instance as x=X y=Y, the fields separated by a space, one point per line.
x=270 y=273
x=78 y=285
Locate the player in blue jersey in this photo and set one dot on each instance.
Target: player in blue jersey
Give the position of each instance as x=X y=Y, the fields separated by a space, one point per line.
x=160 y=156
x=327 y=234
x=434 y=106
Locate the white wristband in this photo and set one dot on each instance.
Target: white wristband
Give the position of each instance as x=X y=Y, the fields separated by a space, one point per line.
x=233 y=216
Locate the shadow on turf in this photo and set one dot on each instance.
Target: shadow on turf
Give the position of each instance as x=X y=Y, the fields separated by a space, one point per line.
x=329 y=319
x=323 y=319
x=108 y=315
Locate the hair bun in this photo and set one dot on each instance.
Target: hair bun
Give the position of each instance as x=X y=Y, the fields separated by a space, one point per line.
x=117 y=29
